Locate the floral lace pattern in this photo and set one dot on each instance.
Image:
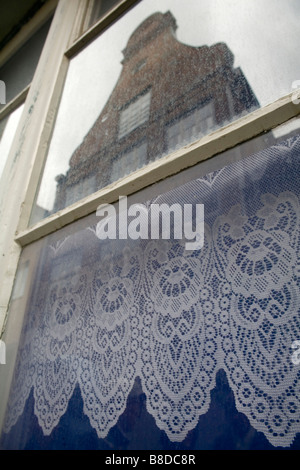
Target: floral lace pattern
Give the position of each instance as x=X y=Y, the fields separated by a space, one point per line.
x=175 y=317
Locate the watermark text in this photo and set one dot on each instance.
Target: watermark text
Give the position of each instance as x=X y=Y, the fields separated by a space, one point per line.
x=163 y=221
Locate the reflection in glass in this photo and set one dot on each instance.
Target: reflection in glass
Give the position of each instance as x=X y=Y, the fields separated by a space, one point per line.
x=100 y=8
x=3 y=123
x=8 y=135
x=198 y=122
x=135 y=114
x=18 y=71
x=181 y=75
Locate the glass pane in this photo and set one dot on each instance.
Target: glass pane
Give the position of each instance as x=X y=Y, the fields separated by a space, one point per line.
x=7 y=135
x=18 y=72
x=101 y=7
x=3 y=123
x=165 y=75
x=140 y=343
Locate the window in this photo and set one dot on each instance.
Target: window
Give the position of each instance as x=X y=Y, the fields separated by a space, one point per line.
x=135 y=158
x=135 y=337
x=84 y=187
x=100 y=8
x=198 y=123
x=135 y=114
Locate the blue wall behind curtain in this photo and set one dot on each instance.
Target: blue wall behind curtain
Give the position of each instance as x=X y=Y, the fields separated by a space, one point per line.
x=221 y=428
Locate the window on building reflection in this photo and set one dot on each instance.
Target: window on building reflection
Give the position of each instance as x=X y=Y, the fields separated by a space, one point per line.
x=135 y=114
x=135 y=157
x=80 y=189
x=196 y=123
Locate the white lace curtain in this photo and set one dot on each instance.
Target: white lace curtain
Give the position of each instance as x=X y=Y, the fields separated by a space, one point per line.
x=103 y=313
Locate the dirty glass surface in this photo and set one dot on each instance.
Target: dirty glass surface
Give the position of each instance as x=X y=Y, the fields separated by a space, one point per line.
x=140 y=343
x=160 y=77
x=8 y=128
x=100 y=8
x=3 y=123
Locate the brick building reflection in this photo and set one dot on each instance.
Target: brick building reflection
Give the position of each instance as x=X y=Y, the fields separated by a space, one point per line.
x=167 y=94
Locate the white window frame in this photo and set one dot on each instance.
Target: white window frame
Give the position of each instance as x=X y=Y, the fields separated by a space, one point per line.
x=32 y=139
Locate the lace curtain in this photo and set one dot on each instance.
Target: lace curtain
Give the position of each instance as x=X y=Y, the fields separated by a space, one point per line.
x=102 y=313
